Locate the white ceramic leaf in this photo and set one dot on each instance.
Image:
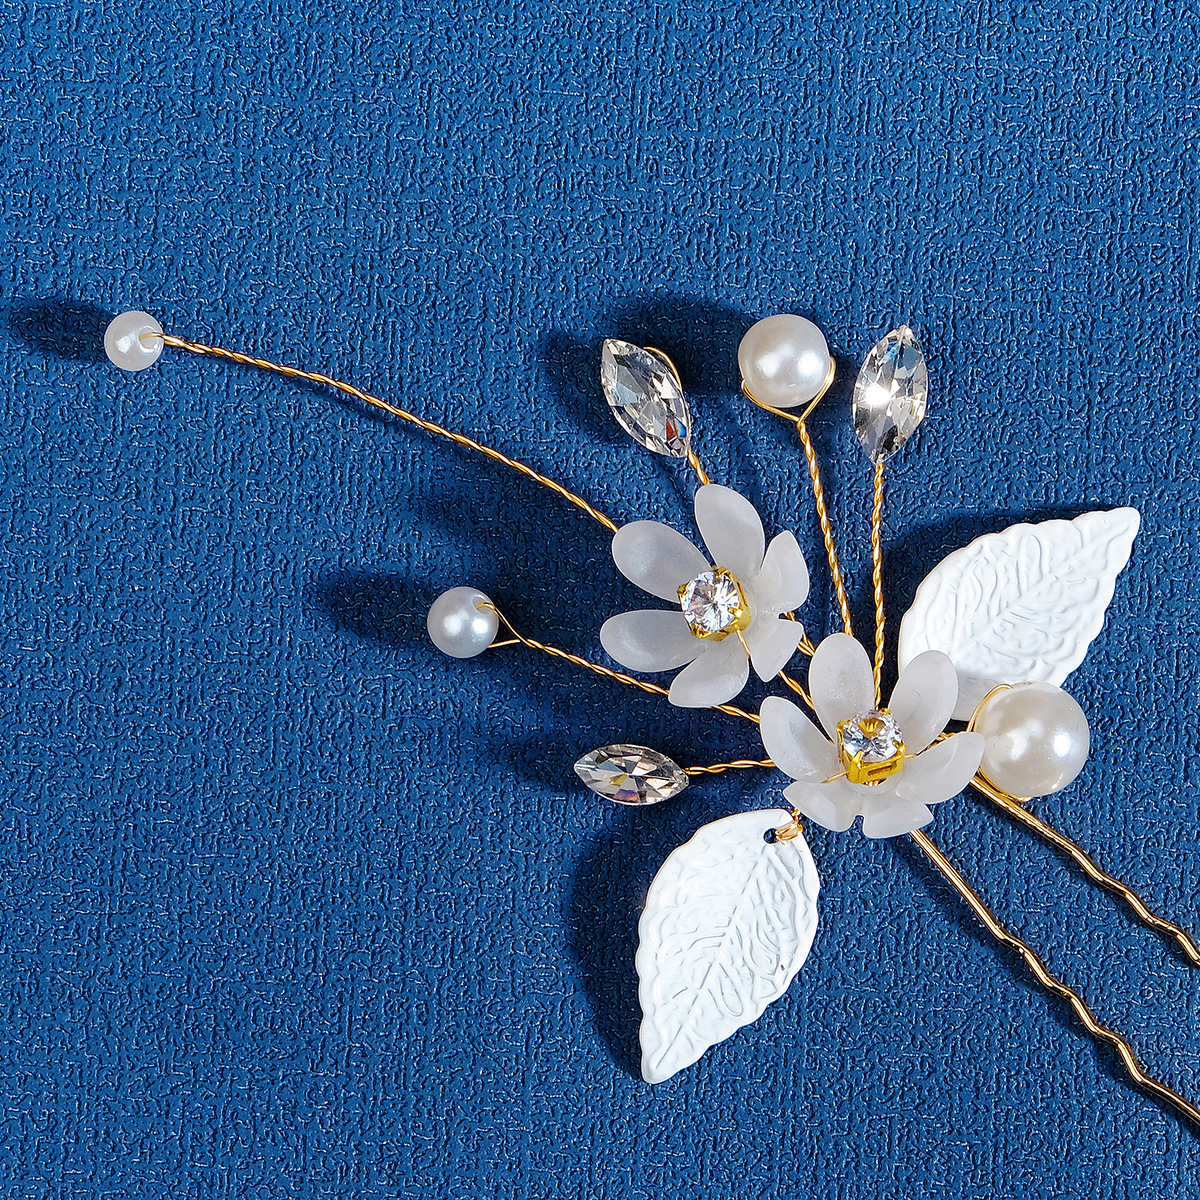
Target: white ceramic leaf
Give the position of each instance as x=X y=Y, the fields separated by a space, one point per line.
x=728 y=922
x=1022 y=605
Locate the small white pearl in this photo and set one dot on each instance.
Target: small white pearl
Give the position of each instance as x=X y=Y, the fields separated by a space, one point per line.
x=125 y=346
x=784 y=360
x=459 y=625
x=1035 y=739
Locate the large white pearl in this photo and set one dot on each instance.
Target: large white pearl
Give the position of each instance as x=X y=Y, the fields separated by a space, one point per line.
x=125 y=346
x=784 y=360
x=1035 y=739
x=460 y=625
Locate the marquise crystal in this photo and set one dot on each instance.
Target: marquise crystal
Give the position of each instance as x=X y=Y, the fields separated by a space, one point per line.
x=630 y=774
x=890 y=394
x=645 y=397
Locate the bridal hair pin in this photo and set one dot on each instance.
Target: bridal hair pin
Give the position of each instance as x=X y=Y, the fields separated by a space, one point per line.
x=993 y=632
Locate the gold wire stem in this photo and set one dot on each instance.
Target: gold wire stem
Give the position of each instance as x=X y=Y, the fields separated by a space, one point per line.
x=1052 y=983
x=616 y=676
x=877 y=575
x=1013 y=807
x=818 y=489
x=459 y=439
x=738 y=764
x=796 y=687
x=694 y=461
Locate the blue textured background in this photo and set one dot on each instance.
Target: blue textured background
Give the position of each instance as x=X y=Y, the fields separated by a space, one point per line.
x=292 y=907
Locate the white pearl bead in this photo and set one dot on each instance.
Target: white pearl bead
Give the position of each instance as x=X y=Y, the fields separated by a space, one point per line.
x=784 y=360
x=459 y=625
x=125 y=346
x=1035 y=739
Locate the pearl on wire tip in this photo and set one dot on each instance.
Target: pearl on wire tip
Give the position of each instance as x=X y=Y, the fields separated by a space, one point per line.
x=133 y=340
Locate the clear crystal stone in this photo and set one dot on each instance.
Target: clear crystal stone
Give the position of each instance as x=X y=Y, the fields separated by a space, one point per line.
x=873 y=734
x=712 y=602
x=631 y=774
x=645 y=397
x=890 y=394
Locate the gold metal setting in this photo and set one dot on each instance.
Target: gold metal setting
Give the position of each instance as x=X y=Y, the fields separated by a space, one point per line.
x=869 y=773
x=741 y=614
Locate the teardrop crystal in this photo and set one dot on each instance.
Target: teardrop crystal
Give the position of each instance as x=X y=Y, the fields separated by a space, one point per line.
x=645 y=397
x=631 y=774
x=890 y=394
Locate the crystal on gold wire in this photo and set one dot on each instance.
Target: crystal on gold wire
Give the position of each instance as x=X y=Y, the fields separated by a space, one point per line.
x=645 y=397
x=631 y=774
x=890 y=394
x=714 y=604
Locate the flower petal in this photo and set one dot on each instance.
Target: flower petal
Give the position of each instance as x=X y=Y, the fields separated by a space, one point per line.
x=715 y=677
x=782 y=583
x=941 y=771
x=833 y=805
x=650 y=639
x=894 y=819
x=731 y=530
x=924 y=699
x=772 y=642
x=657 y=558
x=840 y=681
x=795 y=745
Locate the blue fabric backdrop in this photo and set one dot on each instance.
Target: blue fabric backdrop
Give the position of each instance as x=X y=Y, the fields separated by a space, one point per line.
x=290 y=906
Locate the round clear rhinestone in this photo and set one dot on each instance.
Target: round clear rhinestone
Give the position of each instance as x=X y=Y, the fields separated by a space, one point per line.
x=874 y=734
x=712 y=602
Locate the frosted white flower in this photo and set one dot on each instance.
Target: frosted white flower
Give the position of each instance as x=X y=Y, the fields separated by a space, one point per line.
x=843 y=693
x=728 y=602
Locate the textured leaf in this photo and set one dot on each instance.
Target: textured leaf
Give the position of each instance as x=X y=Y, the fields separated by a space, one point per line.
x=1022 y=605
x=728 y=922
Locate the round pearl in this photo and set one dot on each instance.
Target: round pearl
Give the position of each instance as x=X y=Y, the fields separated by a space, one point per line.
x=459 y=626
x=125 y=346
x=784 y=360
x=1035 y=739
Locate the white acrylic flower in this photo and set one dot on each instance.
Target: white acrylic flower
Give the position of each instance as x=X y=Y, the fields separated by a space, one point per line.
x=843 y=690
x=734 y=600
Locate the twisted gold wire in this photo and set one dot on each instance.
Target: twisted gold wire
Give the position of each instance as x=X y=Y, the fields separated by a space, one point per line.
x=1052 y=983
x=459 y=439
x=797 y=688
x=1015 y=809
x=818 y=490
x=694 y=462
x=616 y=676
x=877 y=575
x=738 y=764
